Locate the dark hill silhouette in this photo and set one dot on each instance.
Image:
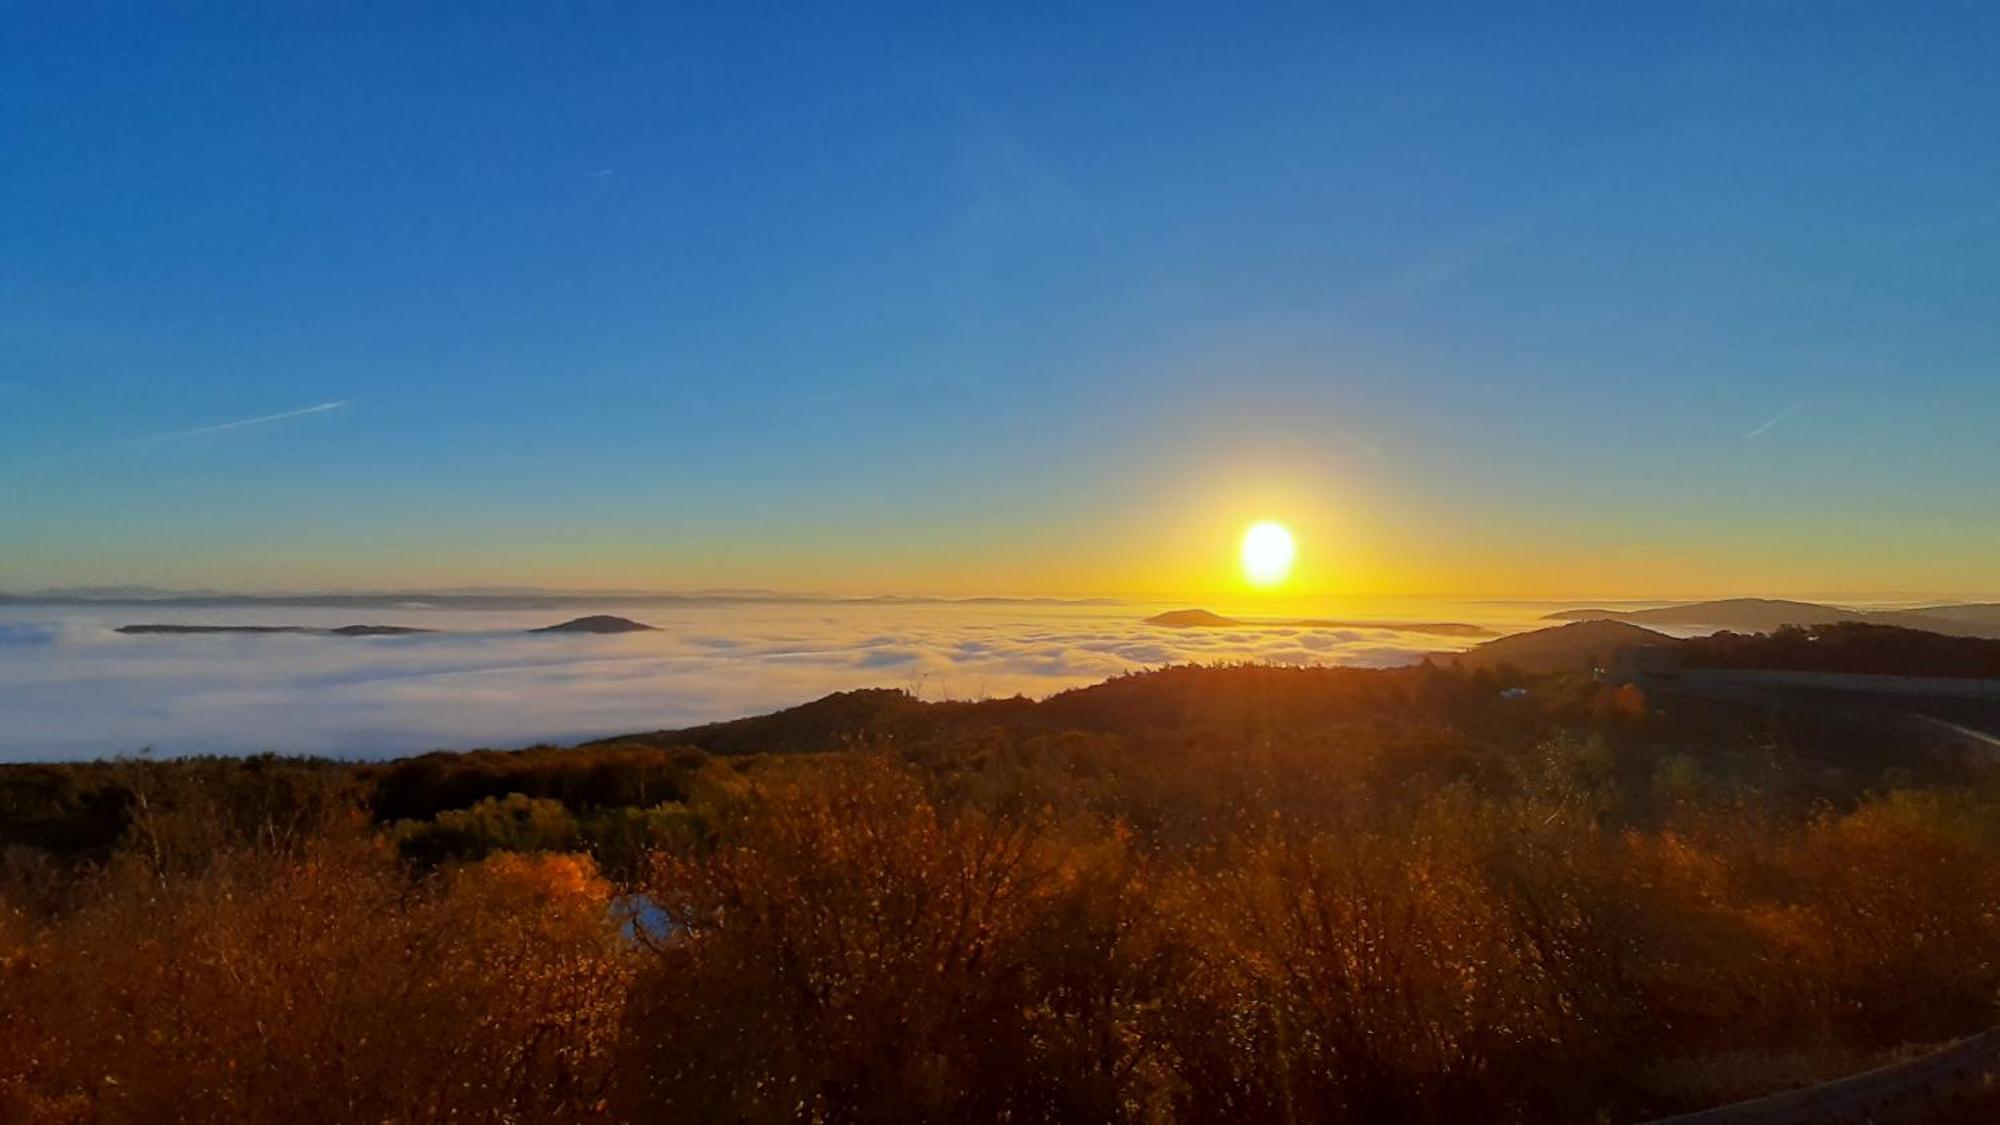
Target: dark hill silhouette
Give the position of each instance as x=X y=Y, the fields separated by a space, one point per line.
x=137 y=630
x=376 y=630
x=1576 y=647
x=597 y=623
x=1191 y=619
x=843 y=720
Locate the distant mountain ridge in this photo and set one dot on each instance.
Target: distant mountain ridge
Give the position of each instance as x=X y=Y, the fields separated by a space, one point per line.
x=1762 y=615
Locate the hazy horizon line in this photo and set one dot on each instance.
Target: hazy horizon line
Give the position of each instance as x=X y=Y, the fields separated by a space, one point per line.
x=117 y=592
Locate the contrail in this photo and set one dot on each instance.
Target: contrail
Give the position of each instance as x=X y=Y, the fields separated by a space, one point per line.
x=241 y=422
x=1781 y=416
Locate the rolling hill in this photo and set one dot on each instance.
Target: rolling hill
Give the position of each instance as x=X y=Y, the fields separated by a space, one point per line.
x=1576 y=647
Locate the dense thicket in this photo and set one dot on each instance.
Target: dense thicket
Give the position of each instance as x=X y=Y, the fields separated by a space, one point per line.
x=1202 y=894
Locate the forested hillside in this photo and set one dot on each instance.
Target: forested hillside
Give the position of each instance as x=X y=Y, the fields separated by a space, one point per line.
x=1245 y=893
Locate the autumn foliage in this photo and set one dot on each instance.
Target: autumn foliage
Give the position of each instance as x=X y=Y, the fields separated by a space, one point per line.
x=1217 y=895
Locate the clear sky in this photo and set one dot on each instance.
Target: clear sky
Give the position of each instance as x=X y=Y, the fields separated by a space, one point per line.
x=1535 y=301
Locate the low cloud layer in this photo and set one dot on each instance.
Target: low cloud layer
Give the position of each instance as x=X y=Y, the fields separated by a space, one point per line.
x=71 y=687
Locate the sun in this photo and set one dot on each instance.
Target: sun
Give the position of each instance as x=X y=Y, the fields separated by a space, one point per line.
x=1267 y=553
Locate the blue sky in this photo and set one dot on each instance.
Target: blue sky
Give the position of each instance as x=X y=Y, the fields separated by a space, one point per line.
x=1020 y=299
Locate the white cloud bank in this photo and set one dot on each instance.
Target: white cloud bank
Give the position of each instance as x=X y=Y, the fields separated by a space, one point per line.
x=71 y=687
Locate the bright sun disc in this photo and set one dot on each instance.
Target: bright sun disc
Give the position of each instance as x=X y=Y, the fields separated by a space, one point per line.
x=1267 y=553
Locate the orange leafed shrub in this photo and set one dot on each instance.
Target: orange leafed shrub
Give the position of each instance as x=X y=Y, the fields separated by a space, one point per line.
x=855 y=952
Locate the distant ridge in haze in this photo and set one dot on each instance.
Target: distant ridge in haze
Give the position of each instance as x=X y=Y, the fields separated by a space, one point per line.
x=1204 y=619
x=342 y=631
x=114 y=594
x=598 y=623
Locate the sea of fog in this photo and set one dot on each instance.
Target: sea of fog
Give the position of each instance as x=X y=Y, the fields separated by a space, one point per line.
x=71 y=686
